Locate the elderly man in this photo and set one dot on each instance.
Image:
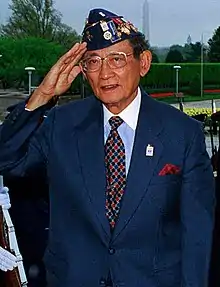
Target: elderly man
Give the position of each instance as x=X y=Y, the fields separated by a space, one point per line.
x=131 y=184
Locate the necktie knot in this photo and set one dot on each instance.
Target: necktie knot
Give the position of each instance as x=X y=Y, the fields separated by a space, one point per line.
x=115 y=122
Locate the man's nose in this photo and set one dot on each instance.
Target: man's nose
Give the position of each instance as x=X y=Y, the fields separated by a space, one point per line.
x=105 y=70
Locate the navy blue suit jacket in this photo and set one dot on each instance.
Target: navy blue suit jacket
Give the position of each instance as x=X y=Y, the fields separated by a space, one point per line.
x=164 y=231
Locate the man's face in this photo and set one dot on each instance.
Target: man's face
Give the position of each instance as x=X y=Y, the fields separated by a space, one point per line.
x=117 y=87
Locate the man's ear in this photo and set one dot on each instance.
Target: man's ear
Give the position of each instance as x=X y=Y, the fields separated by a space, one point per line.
x=145 y=62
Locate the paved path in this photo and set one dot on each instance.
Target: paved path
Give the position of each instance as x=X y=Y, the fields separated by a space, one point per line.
x=204 y=104
x=200 y=104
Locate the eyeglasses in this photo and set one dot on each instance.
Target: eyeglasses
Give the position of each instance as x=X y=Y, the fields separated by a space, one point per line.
x=115 y=60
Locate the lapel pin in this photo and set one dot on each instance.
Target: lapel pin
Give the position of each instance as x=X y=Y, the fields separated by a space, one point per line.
x=149 y=150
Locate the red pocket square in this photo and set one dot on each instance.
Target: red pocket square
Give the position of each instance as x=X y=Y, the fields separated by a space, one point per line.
x=169 y=169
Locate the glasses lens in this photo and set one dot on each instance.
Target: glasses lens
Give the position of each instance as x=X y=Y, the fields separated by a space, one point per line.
x=92 y=64
x=117 y=60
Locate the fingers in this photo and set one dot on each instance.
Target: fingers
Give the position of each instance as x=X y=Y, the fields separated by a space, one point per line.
x=76 y=47
x=7 y=260
x=73 y=62
x=73 y=73
x=4 y=198
x=66 y=63
x=73 y=55
x=58 y=79
x=71 y=69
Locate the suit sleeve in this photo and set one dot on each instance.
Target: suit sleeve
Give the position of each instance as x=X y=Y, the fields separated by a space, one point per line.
x=24 y=141
x=197 y=213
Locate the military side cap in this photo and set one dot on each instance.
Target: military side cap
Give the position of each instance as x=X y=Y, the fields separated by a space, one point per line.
x=104 y=28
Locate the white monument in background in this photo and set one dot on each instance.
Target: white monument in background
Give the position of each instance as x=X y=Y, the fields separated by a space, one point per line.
x=146 y=20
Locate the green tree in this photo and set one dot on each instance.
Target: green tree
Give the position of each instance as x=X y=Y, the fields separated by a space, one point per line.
x=38 y=18
x=214 y=47
x=36 y=52
x=174 y=56
x=193 y=52
x=177 y=47
x=20 y=53
x=155 y=58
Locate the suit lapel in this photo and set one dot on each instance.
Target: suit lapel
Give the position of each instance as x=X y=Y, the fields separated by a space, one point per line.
x=91 y=152
x=141 y=166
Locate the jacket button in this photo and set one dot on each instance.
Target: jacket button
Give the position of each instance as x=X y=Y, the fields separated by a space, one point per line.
x=111 y=251
x=102 y=282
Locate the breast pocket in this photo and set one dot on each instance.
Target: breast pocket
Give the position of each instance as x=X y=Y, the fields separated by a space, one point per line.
x=165 y=179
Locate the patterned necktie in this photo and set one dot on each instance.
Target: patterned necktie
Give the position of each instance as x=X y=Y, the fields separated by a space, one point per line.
x=115 y=170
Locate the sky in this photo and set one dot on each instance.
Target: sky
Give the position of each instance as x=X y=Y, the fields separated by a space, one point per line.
x=170 y=21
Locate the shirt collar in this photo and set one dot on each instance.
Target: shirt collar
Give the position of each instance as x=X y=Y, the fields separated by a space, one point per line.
x=129 y=115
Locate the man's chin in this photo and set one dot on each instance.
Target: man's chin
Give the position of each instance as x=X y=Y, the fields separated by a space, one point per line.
x=109 y=101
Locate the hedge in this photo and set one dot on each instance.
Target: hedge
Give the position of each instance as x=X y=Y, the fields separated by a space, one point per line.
x=162 y=76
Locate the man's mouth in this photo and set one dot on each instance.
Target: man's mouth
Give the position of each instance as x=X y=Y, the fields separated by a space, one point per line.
x=109 y=87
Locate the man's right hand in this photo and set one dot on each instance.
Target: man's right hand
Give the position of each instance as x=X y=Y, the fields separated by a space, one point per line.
x=7 y=260
x=59 y=78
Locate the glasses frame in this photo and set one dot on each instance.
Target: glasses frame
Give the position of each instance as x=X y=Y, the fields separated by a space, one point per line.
x=102 y=59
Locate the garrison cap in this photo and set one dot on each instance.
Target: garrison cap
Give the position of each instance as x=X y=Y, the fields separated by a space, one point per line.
x=104 y=28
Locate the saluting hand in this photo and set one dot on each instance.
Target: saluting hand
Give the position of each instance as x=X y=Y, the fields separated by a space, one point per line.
x=59 y=78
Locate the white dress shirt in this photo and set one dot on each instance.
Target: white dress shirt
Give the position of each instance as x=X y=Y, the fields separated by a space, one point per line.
x=127 y=129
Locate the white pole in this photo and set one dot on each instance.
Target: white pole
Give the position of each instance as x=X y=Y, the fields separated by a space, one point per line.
x=202 y=66
x=177 y=82
x=29 y=80
x=29 y=70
